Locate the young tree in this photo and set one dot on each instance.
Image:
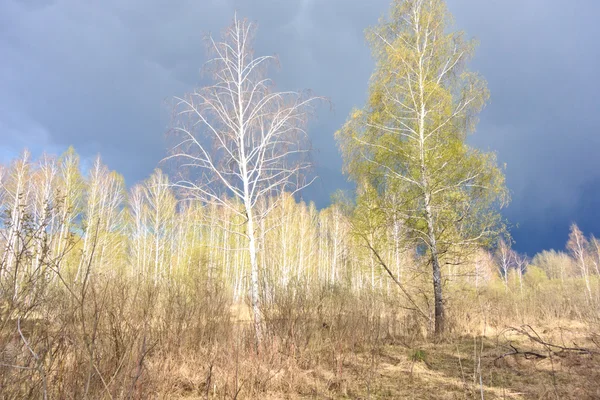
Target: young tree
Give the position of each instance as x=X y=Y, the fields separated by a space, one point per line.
x=506 y=258
x=578 y=247
x=103 y=218
x=556 y=265
x=485 y=267
x=139 y=230
x=70 y=188
x=595 y=249
x=521 y=263
x=15 y=192
x=410 y=137
x=161 y=207
x=44 y=205
x=243 y=139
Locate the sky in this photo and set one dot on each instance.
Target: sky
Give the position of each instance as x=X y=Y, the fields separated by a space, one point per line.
x=99 y=75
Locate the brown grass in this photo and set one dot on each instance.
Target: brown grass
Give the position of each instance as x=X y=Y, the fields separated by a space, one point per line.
x=139 y=340
x=107 y=335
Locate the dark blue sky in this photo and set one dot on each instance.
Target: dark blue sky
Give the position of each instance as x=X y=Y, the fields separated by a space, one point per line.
x=98 y=75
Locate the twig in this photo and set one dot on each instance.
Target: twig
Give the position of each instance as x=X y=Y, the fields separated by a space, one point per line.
x=37 y=359
x=515 y=352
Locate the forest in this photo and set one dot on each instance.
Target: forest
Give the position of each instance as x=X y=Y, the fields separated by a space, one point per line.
x=215 y=279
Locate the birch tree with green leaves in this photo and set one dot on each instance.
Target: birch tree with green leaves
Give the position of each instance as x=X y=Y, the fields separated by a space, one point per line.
x=410 y=139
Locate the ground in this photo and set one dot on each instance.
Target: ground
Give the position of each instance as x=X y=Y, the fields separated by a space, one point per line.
x=464 y=368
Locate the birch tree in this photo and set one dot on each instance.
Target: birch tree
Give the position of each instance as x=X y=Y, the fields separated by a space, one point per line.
x=44 y=205
x=241 y=140
x=595 y=249
x=139 y=214
x=103 y=219
x=16 y=190
x=161 y=204
x=410 y=137
x=70 y=188
x=578 y=247
x=505 y=257
x=556 y=264
x=521 y=263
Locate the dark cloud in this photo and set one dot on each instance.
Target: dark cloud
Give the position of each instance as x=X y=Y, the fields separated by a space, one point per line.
x=540 y=60
x=98 y=75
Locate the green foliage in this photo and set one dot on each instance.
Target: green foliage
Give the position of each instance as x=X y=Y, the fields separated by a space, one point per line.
x=535 y=277
x=406 y=148
x=418 y=355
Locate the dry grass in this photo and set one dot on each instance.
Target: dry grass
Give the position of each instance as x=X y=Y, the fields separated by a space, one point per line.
x=111 y=336
x=447 y=370
x=167 y=344
x=450 y=370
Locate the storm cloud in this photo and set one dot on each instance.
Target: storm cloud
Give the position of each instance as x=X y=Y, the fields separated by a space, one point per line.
x=98 y=75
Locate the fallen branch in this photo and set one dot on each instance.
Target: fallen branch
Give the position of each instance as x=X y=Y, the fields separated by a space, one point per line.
x=515 y=352
x=550 y=348
x=536 y=338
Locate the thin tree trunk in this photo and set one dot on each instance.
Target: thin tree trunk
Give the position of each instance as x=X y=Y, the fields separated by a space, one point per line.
x=254 y=277
x=440 y=314
x=437 y=273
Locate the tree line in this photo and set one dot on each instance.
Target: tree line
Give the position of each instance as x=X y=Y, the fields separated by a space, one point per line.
x=53 y=211
x=425 y=215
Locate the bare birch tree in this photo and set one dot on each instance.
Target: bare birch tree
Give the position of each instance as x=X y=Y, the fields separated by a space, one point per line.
x=505 y=257
x=521 y=263
x=578 y=247
x=161 y=206
x=16 y=190
x=595 y=248
x=240 y=139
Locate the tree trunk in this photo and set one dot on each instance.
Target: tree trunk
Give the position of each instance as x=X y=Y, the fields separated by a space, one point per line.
x=435 y=262
x=440 y=314
x=254 y=282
